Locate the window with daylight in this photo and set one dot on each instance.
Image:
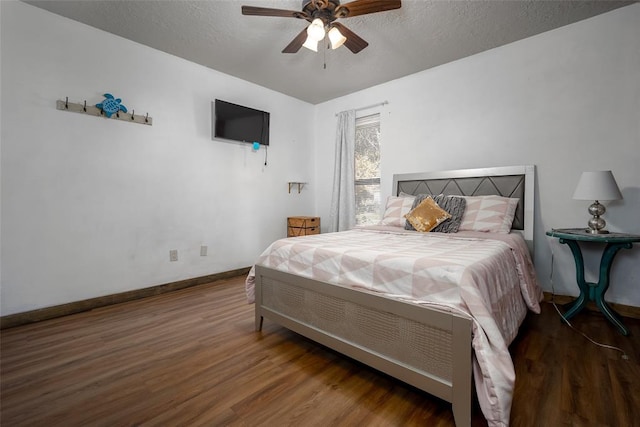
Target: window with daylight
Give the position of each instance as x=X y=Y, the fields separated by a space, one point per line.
x=367 y=169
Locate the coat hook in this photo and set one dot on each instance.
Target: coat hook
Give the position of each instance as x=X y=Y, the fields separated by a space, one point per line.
x=118 y=114
x=146 y=119
x=132 y=114
x=66 y=103
x=85 y=106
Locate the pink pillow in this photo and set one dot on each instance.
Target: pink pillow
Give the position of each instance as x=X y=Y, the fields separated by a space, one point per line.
x=492 y=214
x=396 y=209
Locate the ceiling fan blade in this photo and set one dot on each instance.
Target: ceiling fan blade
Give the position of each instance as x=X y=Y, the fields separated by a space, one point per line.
x=354 y=43
x=296 y=43
x=265 y=11
x=362 y=7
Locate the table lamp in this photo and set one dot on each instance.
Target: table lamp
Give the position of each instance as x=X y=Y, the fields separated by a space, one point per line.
x=598 y=185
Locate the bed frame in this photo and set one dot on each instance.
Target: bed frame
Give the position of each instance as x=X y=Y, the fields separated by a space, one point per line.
x=422 y=346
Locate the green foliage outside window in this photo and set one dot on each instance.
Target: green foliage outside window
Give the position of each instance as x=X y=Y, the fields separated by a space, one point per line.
x=367 y=170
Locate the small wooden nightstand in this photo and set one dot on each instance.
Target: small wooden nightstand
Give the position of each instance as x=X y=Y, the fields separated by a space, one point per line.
x=303 y=225
x=594 y=291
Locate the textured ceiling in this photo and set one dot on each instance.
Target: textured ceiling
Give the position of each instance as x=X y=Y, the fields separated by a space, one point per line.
x=418 y=36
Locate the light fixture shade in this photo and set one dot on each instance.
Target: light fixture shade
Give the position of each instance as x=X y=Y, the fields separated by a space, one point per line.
x=316 y=30
x=336 y=37
x=597 y=185
x=311 y=44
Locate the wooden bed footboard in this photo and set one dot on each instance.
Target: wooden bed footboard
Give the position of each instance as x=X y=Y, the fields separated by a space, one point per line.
x=422 y=346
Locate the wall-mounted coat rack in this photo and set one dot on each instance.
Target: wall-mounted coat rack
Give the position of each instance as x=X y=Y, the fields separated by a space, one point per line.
x=92 y=110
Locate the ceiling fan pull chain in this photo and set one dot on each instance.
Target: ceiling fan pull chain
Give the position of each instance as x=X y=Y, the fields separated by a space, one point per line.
x=324 y=57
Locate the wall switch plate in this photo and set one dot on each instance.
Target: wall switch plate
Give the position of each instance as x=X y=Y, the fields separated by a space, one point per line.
x=173 y=255
x=203 y=250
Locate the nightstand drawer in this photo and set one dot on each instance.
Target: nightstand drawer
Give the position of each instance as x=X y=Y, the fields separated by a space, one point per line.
x=303 y=225
x=303 y=221
x=298 y=231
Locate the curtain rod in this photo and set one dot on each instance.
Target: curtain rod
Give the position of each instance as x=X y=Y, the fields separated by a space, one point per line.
x=369 y=106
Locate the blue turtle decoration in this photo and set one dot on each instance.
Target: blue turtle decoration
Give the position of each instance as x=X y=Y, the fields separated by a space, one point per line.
x=111 y=105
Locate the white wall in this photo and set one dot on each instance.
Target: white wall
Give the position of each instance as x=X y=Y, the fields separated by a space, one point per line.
x=567 y=101
x=91 y=206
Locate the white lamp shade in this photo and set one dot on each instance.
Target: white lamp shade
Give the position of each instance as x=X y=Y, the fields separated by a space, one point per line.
x=597 y=185
x=316 y=30
x=336 y=37
x=311 y=44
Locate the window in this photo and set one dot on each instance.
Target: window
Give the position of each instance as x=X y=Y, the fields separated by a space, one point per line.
x=367 y=169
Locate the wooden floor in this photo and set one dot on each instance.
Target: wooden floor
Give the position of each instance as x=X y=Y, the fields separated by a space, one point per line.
x=192 y=358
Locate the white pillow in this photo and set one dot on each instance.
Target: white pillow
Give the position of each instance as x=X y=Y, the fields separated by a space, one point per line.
x=492 y=214
x=396 y=209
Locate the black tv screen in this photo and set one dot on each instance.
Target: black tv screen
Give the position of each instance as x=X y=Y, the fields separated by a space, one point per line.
x=239 y=123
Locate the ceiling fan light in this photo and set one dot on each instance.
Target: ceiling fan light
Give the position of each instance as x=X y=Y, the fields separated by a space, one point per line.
x=311 y=44
x=336 y=37
x=316 y=29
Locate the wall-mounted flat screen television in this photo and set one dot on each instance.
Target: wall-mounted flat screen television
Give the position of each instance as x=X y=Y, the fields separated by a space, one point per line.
x=239 y=123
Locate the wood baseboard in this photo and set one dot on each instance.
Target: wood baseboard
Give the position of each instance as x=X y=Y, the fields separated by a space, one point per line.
x=623 y=310
x=85 y=305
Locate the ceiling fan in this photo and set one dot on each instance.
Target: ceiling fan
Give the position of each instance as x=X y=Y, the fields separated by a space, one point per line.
x=322 y=15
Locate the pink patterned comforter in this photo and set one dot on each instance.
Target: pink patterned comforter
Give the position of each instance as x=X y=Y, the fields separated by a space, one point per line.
x=487 y=276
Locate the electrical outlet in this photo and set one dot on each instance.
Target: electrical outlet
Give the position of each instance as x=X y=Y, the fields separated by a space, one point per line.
x=203 y=250
x=173 y=255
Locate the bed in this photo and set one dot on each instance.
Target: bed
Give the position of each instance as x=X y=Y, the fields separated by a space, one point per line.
x=437 y=344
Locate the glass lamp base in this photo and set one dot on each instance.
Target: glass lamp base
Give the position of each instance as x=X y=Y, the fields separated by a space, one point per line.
x=596 y=223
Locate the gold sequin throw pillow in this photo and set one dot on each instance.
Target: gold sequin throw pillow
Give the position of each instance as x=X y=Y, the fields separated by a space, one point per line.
x=427 y=215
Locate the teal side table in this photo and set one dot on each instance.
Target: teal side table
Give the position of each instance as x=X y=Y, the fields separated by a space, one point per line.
x=594 y=291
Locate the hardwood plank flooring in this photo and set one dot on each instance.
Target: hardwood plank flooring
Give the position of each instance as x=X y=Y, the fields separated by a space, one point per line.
x=191 y=357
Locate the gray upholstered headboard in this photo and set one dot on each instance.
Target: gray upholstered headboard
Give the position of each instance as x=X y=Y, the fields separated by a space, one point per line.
x=508 y=181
